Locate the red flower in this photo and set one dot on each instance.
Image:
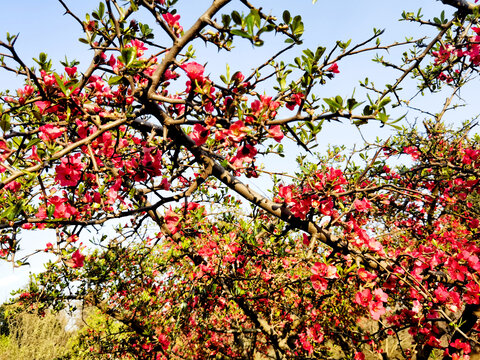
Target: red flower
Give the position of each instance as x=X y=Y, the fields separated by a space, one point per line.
x=334 y=68
x=77 y=260
x=69 y=172
x=246 y=154
x=324 y=270
x=138 y=45
x=172 y=221
x=13 y=186
x=359 y=356
x=376 y=309
x=42 y=105
x=50 y=132
x=172 y=21
x=365 y=275
x=295 y=99
x=363 y=297
x=194 y=71
x=71 y=71
x=63 y=210
x=237 y=131
x=362 y=205
x=199 y=134
x=276 y=133
x=412 y=151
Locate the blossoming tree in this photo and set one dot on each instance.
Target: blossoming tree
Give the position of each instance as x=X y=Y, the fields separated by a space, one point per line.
x=349 y=253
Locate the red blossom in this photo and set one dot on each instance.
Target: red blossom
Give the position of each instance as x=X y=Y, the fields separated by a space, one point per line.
x=359 y=356
x=363 y=297
x=199 y=134
x=366 y=275
x=71 y=71
x=276 y=133
x=172 y=220
x=50 y=132
x=237 y=131
x=76 y=261
x=295 y=99
x=362 y=205
x=43 y=106
x=412 y=151
x=194 y=71
x=69 y=172
x=13 y=186
x=334 y=68
x=138 y=45
x=245 y=154
x=172 y=21
x=62 y=208
x=376 y=309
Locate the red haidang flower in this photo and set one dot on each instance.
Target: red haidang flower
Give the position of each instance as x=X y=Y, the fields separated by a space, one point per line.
x=276 y=133
x=199 y=134
x=363 y=297
x=77 y=260
x=334 y=68
x=69 y=172
x=50 y=132
x=71 y=71
x=172 y=220
x=237 y=131
x=245 y=154
x=194 y=71
x=172 y=21
x=362 y=205
x=138 y=45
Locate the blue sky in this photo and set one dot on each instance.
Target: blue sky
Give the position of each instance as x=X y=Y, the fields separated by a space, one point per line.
x=43 y=27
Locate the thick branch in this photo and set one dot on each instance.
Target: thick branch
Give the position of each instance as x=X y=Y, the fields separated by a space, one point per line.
x=462 y=5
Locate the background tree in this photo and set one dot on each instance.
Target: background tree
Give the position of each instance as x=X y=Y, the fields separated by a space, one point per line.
x=29 y=336
x=201 y=265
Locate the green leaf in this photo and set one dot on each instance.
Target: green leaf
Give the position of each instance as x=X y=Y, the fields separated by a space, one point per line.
x=129 y=55
x=367 y=110
x=133 y=5
x=60 y=83
x=384 y=102
x=5 y=122
x=32 y=143
x=250 y=21
x=286 y=17
x=332 y=103
x=115 y=80
x=297 y=25
x=237 y=18
x=339 y=100
x=241 y=33
x=309 y=53
x=256 y=18
x=319 y=52
x=72 y=88
x=101 y=9
x=226 y=19
x=12 y=211
x=382 y=117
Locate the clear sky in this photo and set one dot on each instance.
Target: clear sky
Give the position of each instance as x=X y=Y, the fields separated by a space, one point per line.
x=43 y=27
